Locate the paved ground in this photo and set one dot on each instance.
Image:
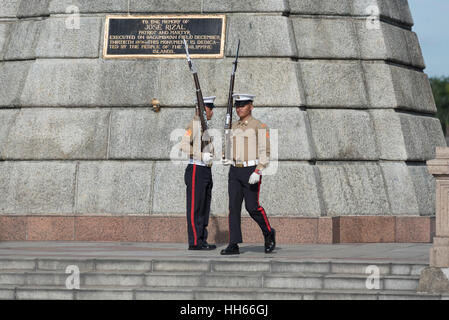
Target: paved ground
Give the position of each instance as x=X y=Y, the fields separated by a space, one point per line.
x=393 y=252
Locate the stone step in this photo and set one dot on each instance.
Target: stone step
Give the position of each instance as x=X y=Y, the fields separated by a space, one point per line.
x=200 y=293
x=210 y=279
x=199 y=278
x=210 y=265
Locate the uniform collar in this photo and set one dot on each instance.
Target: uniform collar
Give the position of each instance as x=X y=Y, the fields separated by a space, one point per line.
x=245 y=123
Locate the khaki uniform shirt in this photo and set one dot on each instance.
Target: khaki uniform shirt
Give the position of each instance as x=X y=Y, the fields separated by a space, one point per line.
x=191 y=141
x=251 y=141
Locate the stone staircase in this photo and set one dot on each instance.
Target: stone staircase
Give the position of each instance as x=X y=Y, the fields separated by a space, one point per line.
x=207 y=279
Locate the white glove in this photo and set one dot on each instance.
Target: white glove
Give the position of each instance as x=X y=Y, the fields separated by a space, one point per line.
x=254 y=178
x=226 y=162
x=208 y=158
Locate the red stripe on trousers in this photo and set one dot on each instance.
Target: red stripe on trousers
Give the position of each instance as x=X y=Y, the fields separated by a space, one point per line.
x=192 y=210
x=262 y=211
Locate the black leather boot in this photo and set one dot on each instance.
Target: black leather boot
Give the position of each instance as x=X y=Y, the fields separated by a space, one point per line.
x=207 y=246
x=270 y=241
x=232 y=248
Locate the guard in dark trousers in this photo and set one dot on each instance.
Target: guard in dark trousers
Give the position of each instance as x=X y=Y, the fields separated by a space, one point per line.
x=198 y=180
x=251 y=152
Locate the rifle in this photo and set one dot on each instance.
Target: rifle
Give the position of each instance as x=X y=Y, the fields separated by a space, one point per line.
x=199 y=98
x=228 y=121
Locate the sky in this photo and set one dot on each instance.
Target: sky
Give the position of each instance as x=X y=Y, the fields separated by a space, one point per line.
x=431 y=19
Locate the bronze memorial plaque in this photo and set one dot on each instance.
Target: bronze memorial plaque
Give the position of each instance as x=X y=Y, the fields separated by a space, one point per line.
x=162 y=36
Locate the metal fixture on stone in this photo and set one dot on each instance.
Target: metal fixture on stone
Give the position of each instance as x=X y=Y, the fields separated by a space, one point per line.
x=156 y=105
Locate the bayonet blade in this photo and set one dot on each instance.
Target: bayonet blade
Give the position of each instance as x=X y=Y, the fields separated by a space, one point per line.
x=238 y=49
x=189 y=61
x=236 y=57
x=187 y=49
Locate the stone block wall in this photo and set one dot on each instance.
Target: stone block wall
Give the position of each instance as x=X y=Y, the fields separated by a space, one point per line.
x=352 y=107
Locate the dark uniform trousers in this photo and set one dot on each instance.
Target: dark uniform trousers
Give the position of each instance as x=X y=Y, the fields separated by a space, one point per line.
x=198 y=180
x=239 y=189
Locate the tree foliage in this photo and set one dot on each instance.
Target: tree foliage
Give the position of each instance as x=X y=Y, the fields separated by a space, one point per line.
x=440 y=89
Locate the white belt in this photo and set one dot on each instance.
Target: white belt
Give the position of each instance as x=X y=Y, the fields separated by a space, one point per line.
x=199 y=163
x=245 y=163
